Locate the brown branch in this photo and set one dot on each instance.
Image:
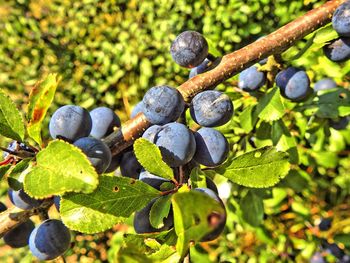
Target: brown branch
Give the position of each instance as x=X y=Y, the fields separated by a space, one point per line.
x=231 y=64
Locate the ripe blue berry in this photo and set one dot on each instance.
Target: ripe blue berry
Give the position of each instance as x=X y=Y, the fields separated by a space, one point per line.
x=57 y=201
x=325 y=84
x=129 y=166
x=251 y=79
x=220 y=223
x=176 y=143
x=203 y=67
x=49 y=240
x=22 y=200
x=339 y=124
x=163 y=104
x=294 y=83
x=211 y=108
x=152 y=180
x=189 y=49
x=70 y=123
x=338 y=50
x=104 y=120
x=325 y=224
x=142 y=223
x=151 y=133
x=19 y=236
x=341 y=19
x=138 y=108
x=212 y=147
x=97 y=152
x=2 y=207
x=115 y=162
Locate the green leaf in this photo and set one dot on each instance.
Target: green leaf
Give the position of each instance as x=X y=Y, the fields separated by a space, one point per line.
x=4 y=169
x=115 y=199
x=40 y=98
x=11 y=122
x=198 y=178
x=252 y=208
x=16 y=176
x=60 y=168
x=325 y=34
x=248 y=118
x=270 y=107
x=260 y=168
x=191 y=213
x=150 y=158
x=159 y=211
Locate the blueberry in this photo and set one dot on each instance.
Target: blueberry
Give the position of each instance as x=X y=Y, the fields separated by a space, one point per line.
x=2 y=207
x=211 y=108
x=22 y=200
x=151 y=133
x=138 y=108
x=189 y=49
x=13 y=146
x=211 y=185
x=335 y=250
x=325 y=224
x=325 y=84
x=163 y=104
x=129 y=166
x=70 y=123
x=49 y=240
x=212 y=147
x=338 y=50
x=115 y=162
x=143 y=225
x=19 y=236
x=339 y=124
x=56 y=201
x=294 y=84
x=97 y=152
x=221 y=224
x=152 y=180
x=104 y=120
x=341 y=19
x=176 y=143
x=203 y=67
x=317 y=258
x=251 y=79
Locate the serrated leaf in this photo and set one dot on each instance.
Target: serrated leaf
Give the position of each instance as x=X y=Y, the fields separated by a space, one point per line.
x=191 y=212
x=16 y=176
x=159 y=211
x=325 y=35
x=248 y=118
x=40 y=98
x=150 y=157
x=115 y=199
x=60 y=168
x=260 y=168
x=333 y=103
x=252 y=208
x=270 y=107
x=4 y=169
x=11 y=122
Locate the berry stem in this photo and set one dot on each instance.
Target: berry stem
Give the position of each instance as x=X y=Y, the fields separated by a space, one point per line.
x=231 y=64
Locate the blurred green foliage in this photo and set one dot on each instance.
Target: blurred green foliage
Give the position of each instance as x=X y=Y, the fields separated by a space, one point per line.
x=110 y=52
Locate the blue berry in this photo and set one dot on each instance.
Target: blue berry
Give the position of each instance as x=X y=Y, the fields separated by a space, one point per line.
x=211 y=108
x=49 y=240
x=339 y=124
x=189 y=49
x=70 y=123
x=325 y=224
x=142 y=223
x=97 y=152
x=115 y=162
x=325 y=84
x=220 y=225
x=151 y=133
x=13 y=146
x=19 y=236
x=137 y=109
x=317 y=258
x=338 y=50
x=294 y=84
x=341 y=19
x=251 y=79
x=57 y=201
x=2 y=207
x=129 y=166
x=22 y=200
x=163 y=104
x=104 y=120
x=203 y=67
x=152 y=180
x=176 y=143
x=212 y=147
